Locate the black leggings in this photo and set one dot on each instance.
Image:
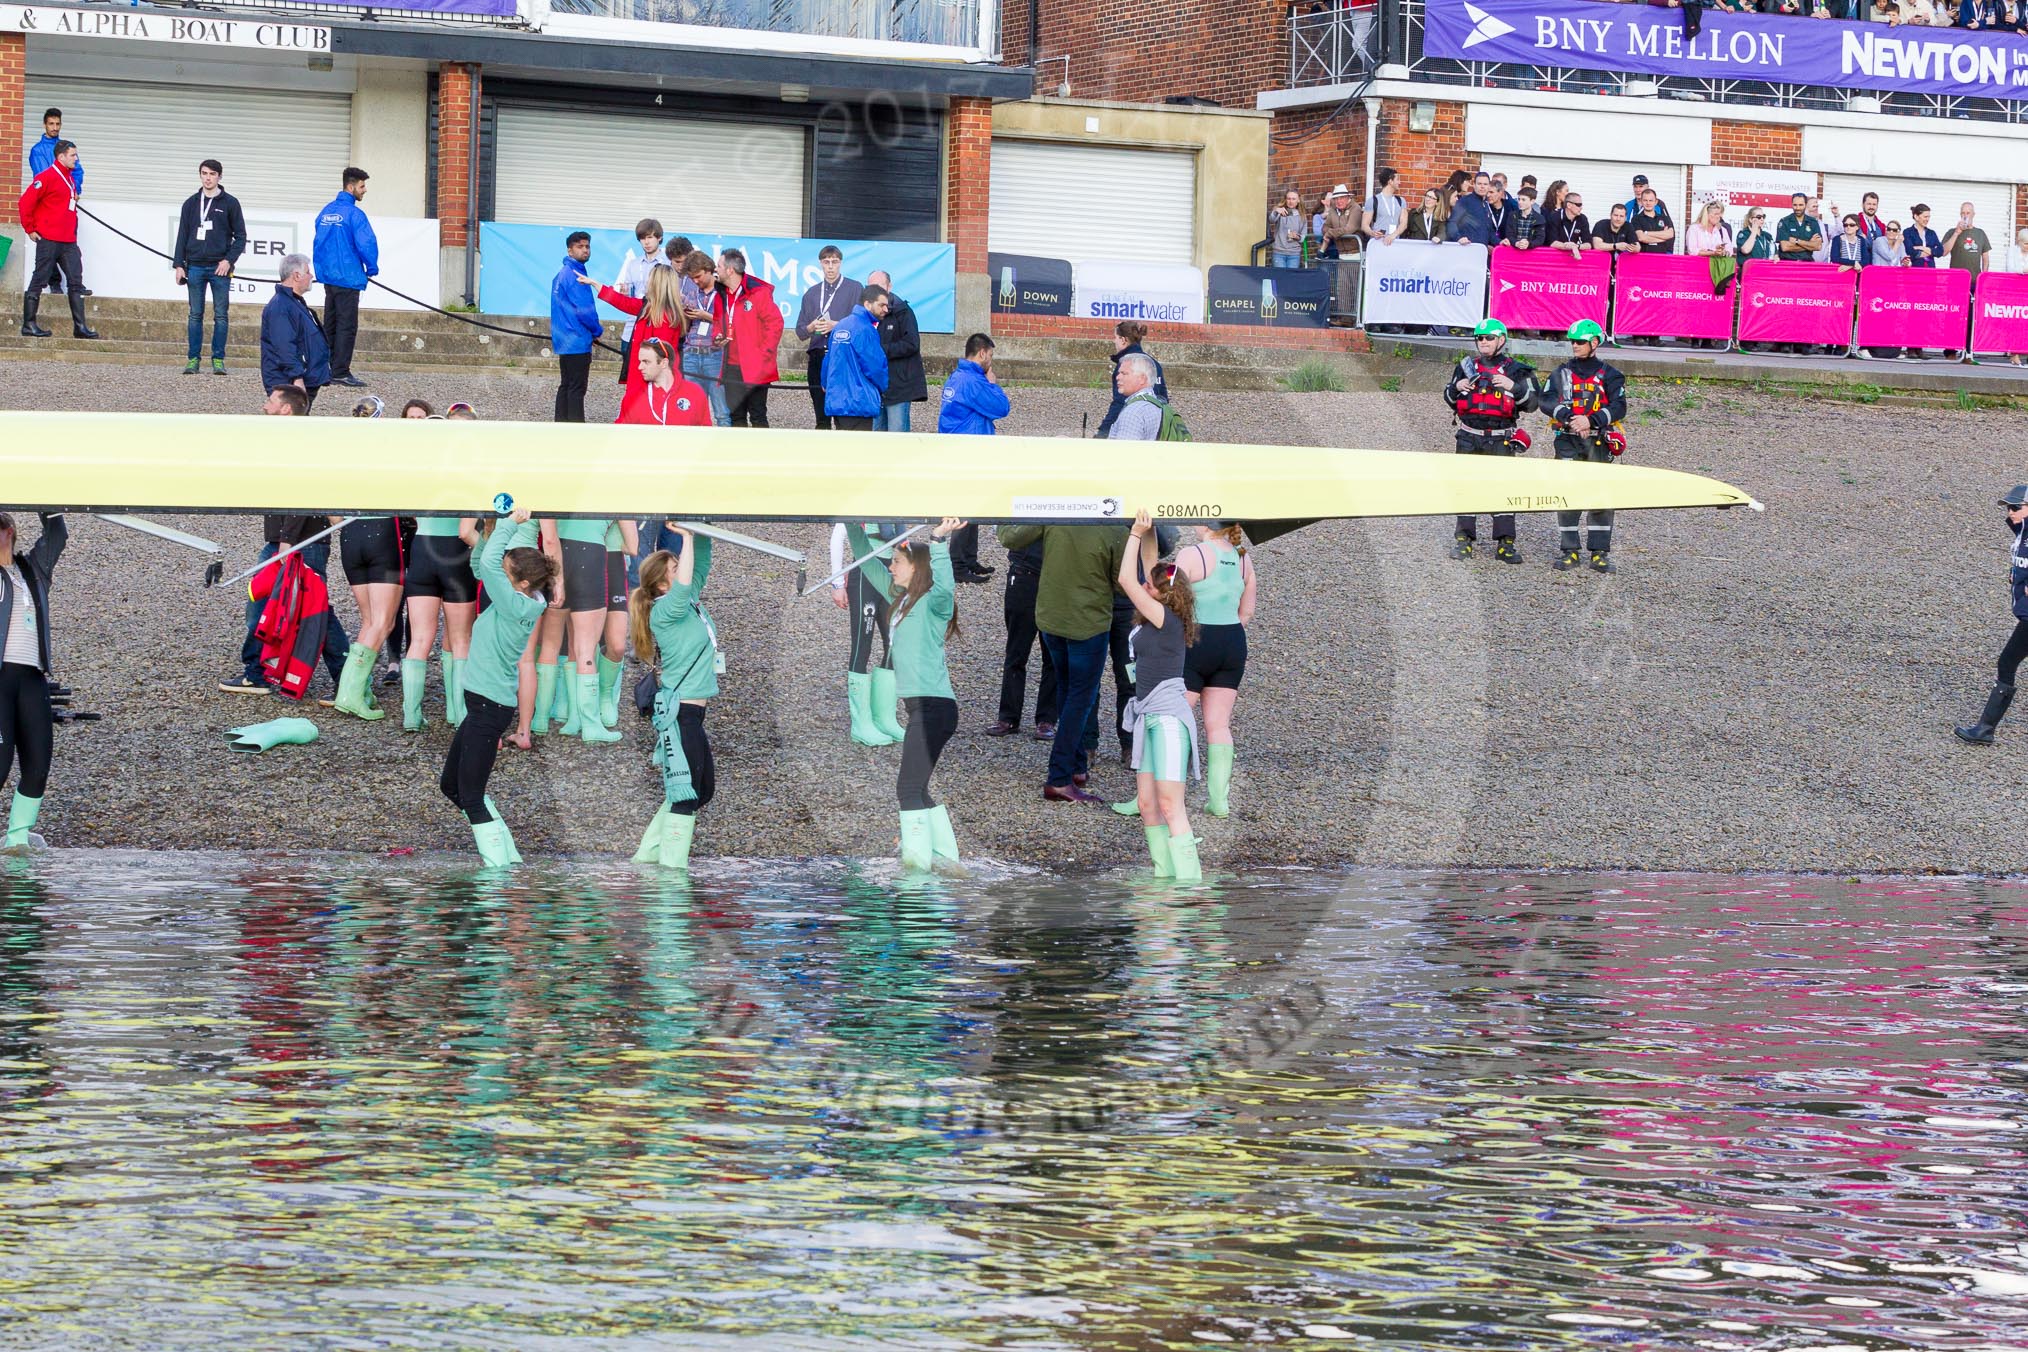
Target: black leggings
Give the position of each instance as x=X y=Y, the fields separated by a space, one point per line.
x=869 y=618
x=26 y=722
x=473 y=750
x=931 y=721
x=697 y=752
x=2010 y=656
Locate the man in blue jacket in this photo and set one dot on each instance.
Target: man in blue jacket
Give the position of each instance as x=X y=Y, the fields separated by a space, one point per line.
x=293 y=351
x=43 y=154
x=573 y=327
x=1472 y=218
x=855 y=365
x=972 y=402
x=347 y=254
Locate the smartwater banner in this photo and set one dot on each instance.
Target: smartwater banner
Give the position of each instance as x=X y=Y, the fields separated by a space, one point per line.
x=518 y=262
x=2000 y=313
x=1283 y=298
x=1024 y=285
x=1914 y=307
x=1629 y=38
x=1668 y=296
x=1796 y=303
x=1549 y=289
x=1415 y=282
x=1154 y=293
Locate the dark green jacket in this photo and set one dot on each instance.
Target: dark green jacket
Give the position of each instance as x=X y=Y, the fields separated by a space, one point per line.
x=1080 y=565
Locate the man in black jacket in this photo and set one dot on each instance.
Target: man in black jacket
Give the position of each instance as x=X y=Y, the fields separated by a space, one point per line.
x=210 y=237
x=902 y=342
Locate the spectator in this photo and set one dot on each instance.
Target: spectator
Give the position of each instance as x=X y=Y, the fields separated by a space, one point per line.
x=1341 y=224
x=1871 y=227
x=1710 y=236
x=1633 y=203
x=901 y=341
x=1918 y=12
x=1982 y=15
x=347 y=254
x=574 y=326
x=1885 y=11
x=1285 y=227
x=1471 y=220
x=1653 y=230
x=1815 y=211
x=675 y=251
x=1127 y=336
x=1967 y=246
x=1798 y=237
x=633 y=281
x=1850 y=251
x=972 y=401
x=1526 y=226
x=1891 y=249
x=1924 y=248
x=1552 y=200
x=855 y=366
x=48 y=211
x=825 y=306
x=1447 y=201
x=756 y=336
x=1569 y=228
x=1615 y=235
x=1755 y=242
x=210 y=237
x=2016 y=258
x=704 y=333
x=293 y=350
x=1425 y=222
x=41 y=155
x=1385 y=214
x=1499 y=206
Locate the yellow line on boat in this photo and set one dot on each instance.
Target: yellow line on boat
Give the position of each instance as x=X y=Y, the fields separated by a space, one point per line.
x=129 y=462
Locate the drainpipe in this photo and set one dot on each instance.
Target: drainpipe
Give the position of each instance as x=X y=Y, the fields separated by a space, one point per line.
x=1372 y=107
x=472 y=194
x=1035 y=34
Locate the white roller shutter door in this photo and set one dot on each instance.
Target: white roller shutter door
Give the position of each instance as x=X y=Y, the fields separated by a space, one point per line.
x=1089 y=203
x=1600 y=182
x=282 y=150
x=1993 y=202
x=567 y=166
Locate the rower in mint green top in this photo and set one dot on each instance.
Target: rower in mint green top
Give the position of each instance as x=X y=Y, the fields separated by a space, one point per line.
x=684 y=639
x=591 y=532
x=440 y=526
x=917 y=643
x=493 y=670
x=1219 y=590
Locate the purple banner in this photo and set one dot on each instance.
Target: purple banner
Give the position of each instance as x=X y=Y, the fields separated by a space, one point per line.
x=1587 y=35
x=505 y=9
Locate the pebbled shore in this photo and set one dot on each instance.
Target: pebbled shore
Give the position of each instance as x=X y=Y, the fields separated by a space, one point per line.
x=1750 y=692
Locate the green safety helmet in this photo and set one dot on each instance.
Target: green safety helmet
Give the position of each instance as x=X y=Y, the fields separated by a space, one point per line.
x=1490 y=328
x=1585 y=331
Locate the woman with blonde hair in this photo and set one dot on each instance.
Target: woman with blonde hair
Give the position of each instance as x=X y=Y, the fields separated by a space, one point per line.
x=1222 y=578
x=658 y=313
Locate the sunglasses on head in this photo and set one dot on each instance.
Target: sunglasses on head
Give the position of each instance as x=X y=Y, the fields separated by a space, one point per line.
x=461 y=407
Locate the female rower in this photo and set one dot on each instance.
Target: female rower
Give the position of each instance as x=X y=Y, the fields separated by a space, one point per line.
x=27 y=720
x=516 y=577
x=594 y=598
x=441 y=582
x=2002 y=694
x=673 y=633
x=925 y=619
x=1222 y=583
x=419 y=409
x=1159 y=715
x=863 y=594
x=369 y=548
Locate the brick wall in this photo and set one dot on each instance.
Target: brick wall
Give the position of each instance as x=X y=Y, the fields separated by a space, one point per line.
x=13 y=90
x=968 y=179
x=457 y=86
x=1227 y=335
x=1336 y=153
x=1227 y=52
x=1756 y=145
x=1423 y=158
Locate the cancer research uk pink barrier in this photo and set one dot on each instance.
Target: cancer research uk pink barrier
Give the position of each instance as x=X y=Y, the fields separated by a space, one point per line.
x=1914 y=307
x=1547 y=288
x=1796 y=303
x=2000 y=313
x=1668 y=296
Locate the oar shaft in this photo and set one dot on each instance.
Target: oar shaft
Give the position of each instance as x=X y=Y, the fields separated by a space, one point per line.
x=879 y=551
x=281 y=554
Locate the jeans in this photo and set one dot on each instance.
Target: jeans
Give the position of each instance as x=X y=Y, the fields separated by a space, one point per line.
x=336 y=645
x=1078 y=663
x=891 y=418
x=707 y=368
x=654 y=534
x=220 y=286
x=1288 y=260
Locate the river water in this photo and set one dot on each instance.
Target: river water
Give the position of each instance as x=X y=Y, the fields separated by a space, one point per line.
x=328 y=1102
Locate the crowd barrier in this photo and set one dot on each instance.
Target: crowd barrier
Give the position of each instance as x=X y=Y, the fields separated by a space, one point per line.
x=1412 y=283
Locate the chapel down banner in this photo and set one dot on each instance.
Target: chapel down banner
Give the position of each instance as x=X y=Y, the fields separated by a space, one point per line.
x=1585 y=35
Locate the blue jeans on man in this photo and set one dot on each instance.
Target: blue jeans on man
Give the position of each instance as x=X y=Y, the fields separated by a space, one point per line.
x=220 y=285
x=654 y=534
x=1079 y=664
x=336 y=645
x=1294 y=260
x=707 y=368
x=891 y=418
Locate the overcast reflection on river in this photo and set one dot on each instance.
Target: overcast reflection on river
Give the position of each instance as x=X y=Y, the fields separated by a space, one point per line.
x=341 y=1103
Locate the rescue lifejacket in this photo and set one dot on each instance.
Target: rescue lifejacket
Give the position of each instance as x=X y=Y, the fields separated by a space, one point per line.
x=1484 y=399
x=291 y=626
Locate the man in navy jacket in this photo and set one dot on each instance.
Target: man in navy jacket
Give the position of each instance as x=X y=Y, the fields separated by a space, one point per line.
x=347 y=253
x=1472 y=217
x=293 y=350
x=855 y=365
x=573 y=327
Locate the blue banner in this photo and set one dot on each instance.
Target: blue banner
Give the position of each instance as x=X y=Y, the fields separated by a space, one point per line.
x=518 y=262
x=1586 y=35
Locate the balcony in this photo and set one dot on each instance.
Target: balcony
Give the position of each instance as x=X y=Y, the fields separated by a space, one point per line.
x=932 y=23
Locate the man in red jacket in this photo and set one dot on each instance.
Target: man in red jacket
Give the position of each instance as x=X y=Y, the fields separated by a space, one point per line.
x=755 y=336
x=663 y=397
x=49 y=217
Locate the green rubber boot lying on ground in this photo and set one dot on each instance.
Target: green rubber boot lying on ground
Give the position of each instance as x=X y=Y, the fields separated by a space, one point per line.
x=21 y=816
x=1218 y=778
x=1158 y=850
x=609 y=689
x=414 y=674
x=1183 y=858
x=545 y=695
x=454 y=688
x=859 y=691
x=354 y=682
x=918 y=842
x=513 y=850
x=275 y=732
x=882 y=704
x=589 y=717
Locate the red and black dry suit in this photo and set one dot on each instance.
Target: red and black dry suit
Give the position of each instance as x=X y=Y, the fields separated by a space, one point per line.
x=1588 y=386
x=1489 y=419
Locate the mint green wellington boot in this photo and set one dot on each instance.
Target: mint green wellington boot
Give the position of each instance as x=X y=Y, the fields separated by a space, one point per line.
x=651 y=839
x=589 y=726
x=1158 y=850
x=679 y=829
x=454 y=688
x=859 y=691
x=918 y=842
x=609 y=689
x=259 y=737
x=545 y=695
x=352 y=684
x=496 y=849
x=414 y=673
x=882 y=704
x=566 y=694
x=21 y=816
x=943 y=839
x=513 y=850
x=1183 y=858
x=1218 y=778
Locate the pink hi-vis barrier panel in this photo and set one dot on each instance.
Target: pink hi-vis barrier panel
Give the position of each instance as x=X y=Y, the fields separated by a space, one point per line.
x=2000 y=313
x=1547 y=288
x=1668 y=296
x=1913 y=307
x=1796 y=302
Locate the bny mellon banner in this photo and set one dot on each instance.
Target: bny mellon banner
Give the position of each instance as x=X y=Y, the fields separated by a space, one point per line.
x=1586 y=35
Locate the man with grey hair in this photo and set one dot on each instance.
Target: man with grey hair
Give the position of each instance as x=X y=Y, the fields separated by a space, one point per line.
x=1141 y=417
x=293 y=350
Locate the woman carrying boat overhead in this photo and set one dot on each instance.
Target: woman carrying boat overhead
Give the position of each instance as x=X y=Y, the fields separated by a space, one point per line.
x=27 y=721
x=673 y=633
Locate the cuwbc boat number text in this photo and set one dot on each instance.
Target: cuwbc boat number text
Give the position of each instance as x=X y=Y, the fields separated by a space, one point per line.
x=1211 y=509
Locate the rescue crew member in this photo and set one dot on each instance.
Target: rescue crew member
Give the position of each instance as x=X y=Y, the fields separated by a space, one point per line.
x=48 y=212
x=925 y=599
x=27 y=720
x=674 y=634
x=1487 y=394
x=1981 y=732
x=1588 y=408
x=662 y=397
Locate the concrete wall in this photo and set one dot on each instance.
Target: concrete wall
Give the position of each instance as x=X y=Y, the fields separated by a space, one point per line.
x=390 y=134
x=1232 y=157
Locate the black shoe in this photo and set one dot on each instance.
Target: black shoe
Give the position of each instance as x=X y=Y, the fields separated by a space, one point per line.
x=1600 y=563
x=1462 y=548
x=1568 y=561
x=240 y=685
x=1003 y=729
x=1981 y=732
x=86 y=291
x=1505 y=552
x=349 y=380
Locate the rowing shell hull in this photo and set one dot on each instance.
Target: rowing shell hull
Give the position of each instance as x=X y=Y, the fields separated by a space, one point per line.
x=117 y=462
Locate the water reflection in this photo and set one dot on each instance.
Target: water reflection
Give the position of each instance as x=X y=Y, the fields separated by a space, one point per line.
x=261 y=1103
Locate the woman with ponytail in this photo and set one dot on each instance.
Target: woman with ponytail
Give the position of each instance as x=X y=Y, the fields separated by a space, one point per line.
x=1159 y=716
x=673 y=633
x=1222 y=577
x=925 y=619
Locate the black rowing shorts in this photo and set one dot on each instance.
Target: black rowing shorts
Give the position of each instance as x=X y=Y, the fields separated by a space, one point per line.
x=441 y=567
x=371 y=552
x=1218 y=659
x=594 y=578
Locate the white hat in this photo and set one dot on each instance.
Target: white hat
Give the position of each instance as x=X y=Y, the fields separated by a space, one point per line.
x=1341 y=191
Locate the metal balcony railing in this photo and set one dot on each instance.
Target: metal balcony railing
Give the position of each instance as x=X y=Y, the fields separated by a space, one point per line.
x=951 y=23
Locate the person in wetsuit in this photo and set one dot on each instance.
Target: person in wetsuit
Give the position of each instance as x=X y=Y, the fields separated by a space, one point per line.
x=2002 y=693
